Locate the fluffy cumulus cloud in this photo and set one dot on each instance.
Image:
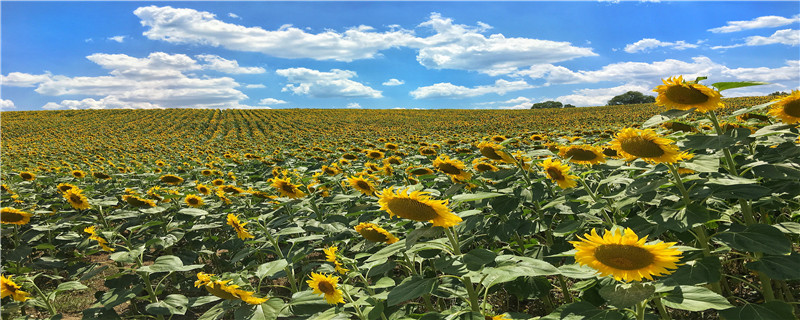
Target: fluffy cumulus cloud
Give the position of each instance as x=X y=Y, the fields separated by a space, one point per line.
x=456 y=46
x=119 y=39
x=393 y=82
x=19 y=79
x=178 y=25
x=649 y=43
x=449 y=90
x=271 y=101
x=157 y=81
x=452 y=46
x=353 y=105
x=228 y=66
x=515 y=103
x=757 y=23
x=7 y=104
x=319 y=84
x=599 y=97
x=787 y=37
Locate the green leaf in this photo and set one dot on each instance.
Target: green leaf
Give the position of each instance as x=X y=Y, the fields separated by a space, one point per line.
x=505 y=204
x=168 y=264
x=269 y=310
x=411 y=288
x=194 y=212
x=270 y=268
x=778 y=267
x=478 y=258
x=388 y=251
x=307 y=303
x=529 y=287
x=756 y=238
x=704 y=141
x=705 y=270
x=740 y=84
x=577 y=271
x=702 y=163
x=70 y=285
x=116 y=296
x=693 y=298
x=645 y=184
x=475 y=196
x=751 y=109
x=773 y=310
x=788 y=227
x=127 y=256
x=665 y=116
x=628 y=294
x=698 y=79
x=583 y=311
x=172 y=304
x=510 y=267
x=782 y=171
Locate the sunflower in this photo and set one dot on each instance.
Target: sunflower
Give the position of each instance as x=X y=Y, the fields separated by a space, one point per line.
x=326 y=285
x=27 y=176
x=193 y=201
x=390 y=146
x=78 y=174
x=361 y=184
x=218 y=182
x=538 y=137
x=624 y=256
x=100 y=241
x=204 y=189
x=500 y=317
x=237 y=225
x=331 y=170
x=222 y=289
x=330 y=256
x=452 y=167
x=171 y=179
x=101 y=175
x=286 y=188
x=427 y=151
x=787 y=109
x=677 y=94
x=498 y=138
x=392 y=160
x=483 y=165
x=76 y=198
x=206 y=172
x=138 y=202
x=9 y=288
x=495 y=152
x=632 y=143
x=559 y=173
x=374 y=154
x=582 y=154
x=417 y=206
x=14 y=216
x=231 y=189
x=419 y=171
x=375 y=233
x=64 y=187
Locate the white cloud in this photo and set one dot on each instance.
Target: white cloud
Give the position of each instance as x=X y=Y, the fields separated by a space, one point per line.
x=335 y=83
x=176 y=25
x=19 y=79
x=599 y=97
x=786 y=36
x=119 y=39
x=255 y=86
x=449 y=90
x=760 y=22
x=218 y=63
x=233 y=15
x=271 y=101
x=7 y=104
x=393 y=82
x=157 y=81
x=353 y=105
x=648 y=43
x=456 y=46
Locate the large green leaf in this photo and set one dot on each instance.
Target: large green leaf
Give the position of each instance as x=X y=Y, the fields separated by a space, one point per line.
x=475 y=196
x=583 y=311
x=739 y=84
x=478 y=258
x=270 y=268
x=778 y=267
x=705 y=270
x=172 y=304
x=411 y=288
x=773 y=310
x=169 y=264
x=665 y=116
x=781 y=171
x=694 y=298
x=628 y=294
x=756 y=238
x=510 y=267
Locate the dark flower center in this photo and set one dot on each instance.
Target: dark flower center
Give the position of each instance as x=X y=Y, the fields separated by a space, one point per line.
x=623 y=257
x=641 y=147
x=555 y=173
x=792 y=108
x=581 y=155
x=326 y=287
x=412 y=209
x=686 y=95
x=449 y=168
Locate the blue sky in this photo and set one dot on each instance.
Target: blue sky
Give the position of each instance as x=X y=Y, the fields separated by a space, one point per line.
x=79 y=55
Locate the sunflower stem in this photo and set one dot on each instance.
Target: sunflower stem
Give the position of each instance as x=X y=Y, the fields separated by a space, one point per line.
x=45 y=299
x=453 y=241
x=473 y=295
x=766 y=282
x=661 y=309
x=606 y=217
x=640 y=309
x=353 y=302
x=565 y=289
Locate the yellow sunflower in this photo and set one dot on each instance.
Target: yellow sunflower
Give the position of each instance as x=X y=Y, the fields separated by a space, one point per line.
x=9 y=288
x=417 y=206
x=204 y=189
x=237 y=225
x=787 y=109
x=14 y=216
x=193 y=201
x=222 y=289
x=677 y=94
x=231 y=189
x=138 y=201
x=78 y=174
x=171 y=179
x=330 y=256
x=483 y=165
x=63 y=187
x=76 y=198
x=624 y=256
x=100 y=241
x=361 y=184
x=206 y=172
x=326 y=285
x=632 y=143
x=286 y=188
x=375 y=233
x=452 y=167
x=374 y=154
x=495 y=152
x=331 y=170
x=559 y=173
x=419 y=171
x=27 y=176
x=582 y=154
x=101 y=175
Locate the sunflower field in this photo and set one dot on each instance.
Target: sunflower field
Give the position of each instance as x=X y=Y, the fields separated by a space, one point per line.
x=688 y=208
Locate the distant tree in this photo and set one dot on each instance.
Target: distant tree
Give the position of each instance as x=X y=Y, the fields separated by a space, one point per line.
x=631 y=97
x=568 y=106
x=779 y=93
x=546 y=105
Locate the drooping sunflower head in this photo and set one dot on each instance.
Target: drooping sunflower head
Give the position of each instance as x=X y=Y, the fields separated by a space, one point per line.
x=374 y=233
x=138 y=201
x=238 y=226
x=101 y=175
x=452 y=167
x=582 y=154
x=326 y=285
x=331 y=170
x=419 y=171
x=495 y=152
x=559 y=173
x=229 y=188
x=193 y=201
x=76 y=198
x=788 y=108
x=287 y=189
x=632 y=143
x=483 y=165
x=678 y=94
x=361 y=184
x=171 y=179
x=9 y=288
x=64 y=187
x=427 y=151
x=625 y=256
x=27 y=176
x=417 y=206
x=222 y=289
x=14 y=216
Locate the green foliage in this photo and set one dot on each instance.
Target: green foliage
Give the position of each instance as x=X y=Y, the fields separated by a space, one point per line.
x=630 y=97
